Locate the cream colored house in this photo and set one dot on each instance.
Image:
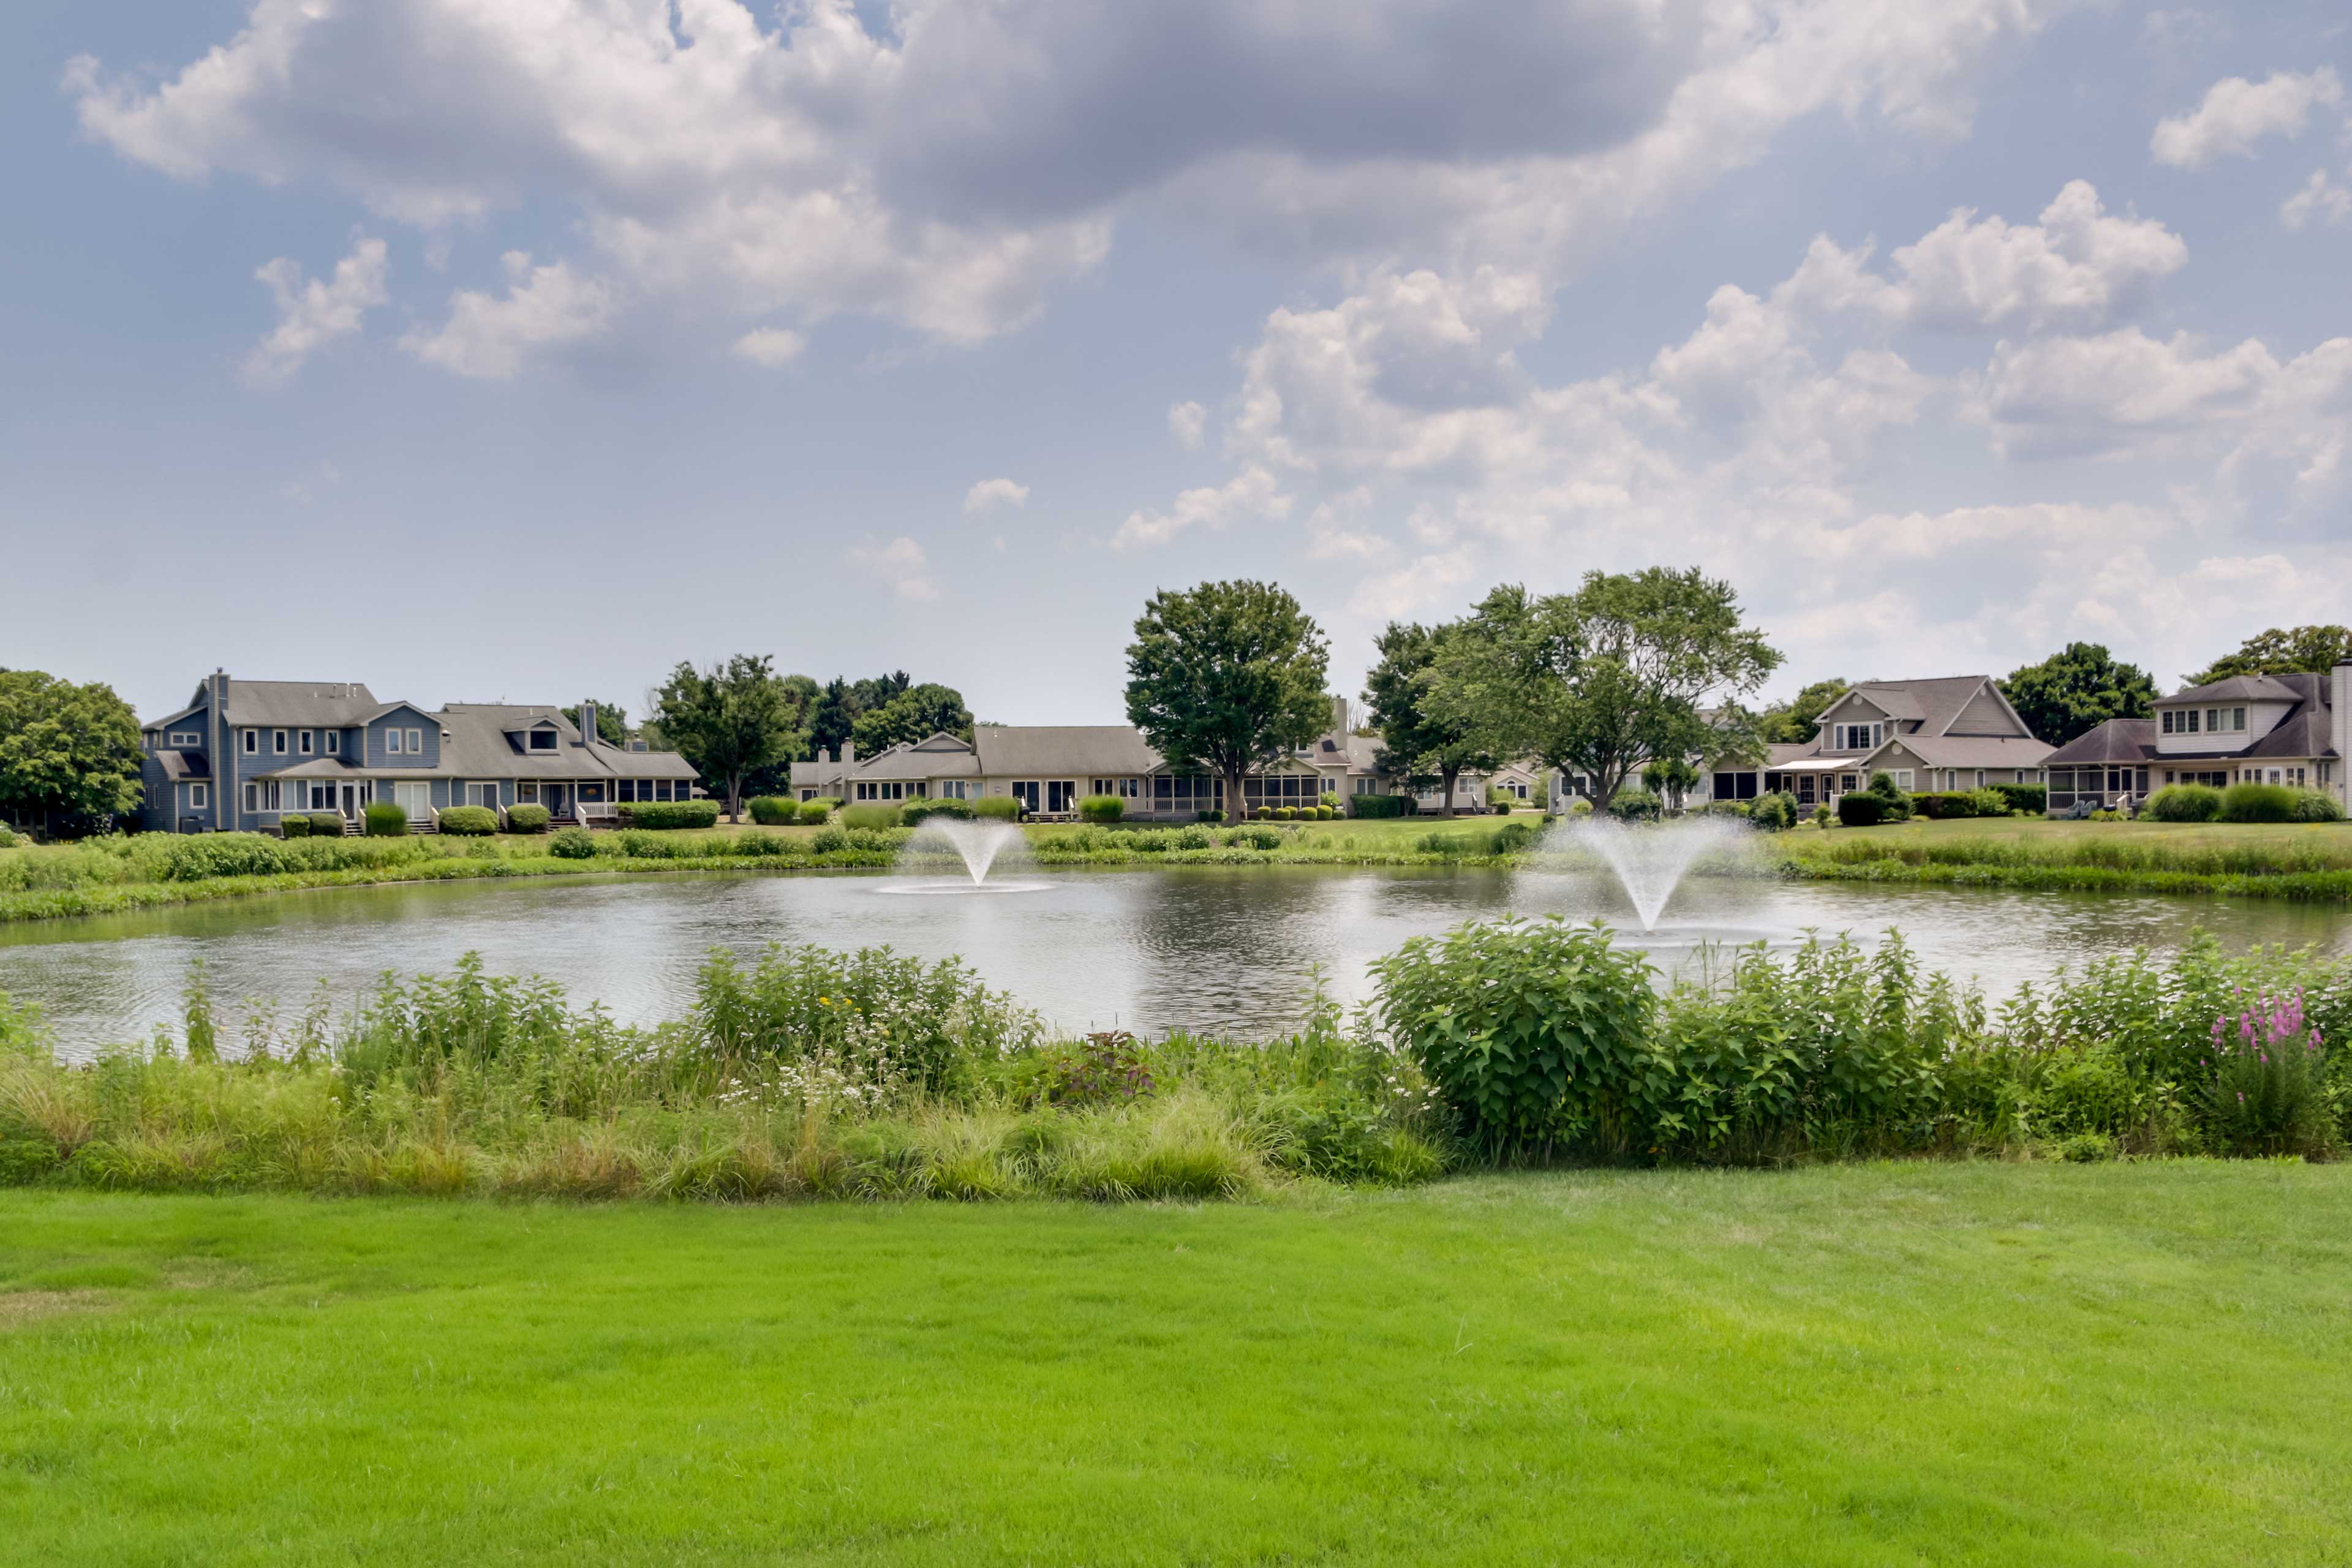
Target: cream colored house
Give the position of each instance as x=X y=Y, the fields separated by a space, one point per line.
x=1952 y=732
x=2294 y=730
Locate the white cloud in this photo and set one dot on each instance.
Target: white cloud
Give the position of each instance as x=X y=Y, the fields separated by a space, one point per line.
x=770 y=346
x=901 y=565
x=989 y=494
x=487 y=338
x=1253 y=492
x=2237 y=113
x=2321 y=198
x=313 y=313
x=1188 y=422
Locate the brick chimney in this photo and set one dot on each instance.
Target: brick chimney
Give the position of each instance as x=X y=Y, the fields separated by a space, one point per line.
x=1339 y=713
x=587 y=720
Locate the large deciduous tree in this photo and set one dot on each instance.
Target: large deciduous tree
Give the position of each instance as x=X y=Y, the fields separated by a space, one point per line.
x=915 y=713
x=1225 y=678
x=611 y=722
x=1798 y=720
x=2281 y=651
x=1419 y=744
x=2075 y=690
x=1606 y=679
x=831 y=716
x=66 y=751
x=729 y=720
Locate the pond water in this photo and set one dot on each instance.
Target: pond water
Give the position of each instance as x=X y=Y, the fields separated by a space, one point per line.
x=1205 y=948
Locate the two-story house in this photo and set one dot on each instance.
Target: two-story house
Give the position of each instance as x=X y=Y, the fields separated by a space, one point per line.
x=243 y=754
x=2259 y=729
x=1950 y=733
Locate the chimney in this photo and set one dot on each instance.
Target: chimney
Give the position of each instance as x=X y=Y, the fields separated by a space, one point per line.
x=1339 y=713
x=848 y=754
x=587 y=720
x=2339 y=724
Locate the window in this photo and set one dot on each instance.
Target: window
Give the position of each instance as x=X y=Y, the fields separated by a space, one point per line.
x=2166 y=720
x=277 y=741
x=528 y=790
x=1980 y=778
x=391 y=742
x=200 y=797
x=543 y=739
x=334 y=742
x=1127 y=789
x=416 y=743
x=186 y=738
x=951 y=789
x=302 y=742
x=253 y=742
x=1903 y=778
x=1857 y=737
x=2190 y=715
x=2239 y=720
x=253 y=797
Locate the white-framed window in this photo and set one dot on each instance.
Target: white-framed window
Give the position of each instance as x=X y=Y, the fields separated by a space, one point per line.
x=302 y=742
x=543 y=739
x=186 y=738
x=277 y=741
x=391 y=742
x=1366 y=785
x=1903 y=778
x=416 y=743
x=334 y=742
x=200 y=797
x=264 y=795
x=2238 y=719
x=253 y=797
x=1980 y=778
x=253 y=742
x=1126 y=789
x=527 y=793
x=950 y=789
x=2164 y=722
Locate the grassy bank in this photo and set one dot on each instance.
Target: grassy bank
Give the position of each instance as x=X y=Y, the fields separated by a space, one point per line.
x=2311 y=861
x=1953 y=1363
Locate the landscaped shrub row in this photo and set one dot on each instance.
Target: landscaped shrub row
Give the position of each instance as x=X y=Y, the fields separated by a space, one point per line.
x=773 y=811
x=1292 y=813
x=1373 y=806
x=527 y=817
x=470 y=821
x=668 y=814
x=1942 y=805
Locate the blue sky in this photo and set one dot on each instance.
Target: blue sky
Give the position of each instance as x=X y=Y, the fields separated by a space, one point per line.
x=485 y=349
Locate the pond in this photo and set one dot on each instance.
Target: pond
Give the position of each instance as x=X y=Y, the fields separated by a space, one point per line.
x=1227 y=948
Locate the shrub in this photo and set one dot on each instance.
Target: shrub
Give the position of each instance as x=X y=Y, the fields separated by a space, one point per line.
x=996 y=809
x=1102 y=808
x=1326 y=812
x=2184 y=803
x=1535 y=1032
x=1254 y=839
x=1285 y=814
x=1895 y=805
x=916 y=811
x=1821 y=815
x=828 y=841
x=573 y=844
x=525 y=817
x=470 y=821
x=2031 y=799
x=668 y=814
x=1193 y=839
x=775 y=811
x=1862 y=810
x=1369 y=806
x=1499 y=807
x=385 y=820
x=1215 y=814
x=1634 y=804
x=1989 y=801
x=1329 y=801
x=869 y=815
x=2257 y=803
x=1774 y=813
x=1262 y=814
x=288 y=828
x=1942 y=805
x=1580 y=805
x=2264 y=1097
x=815 y=813
x=2316 y=805
x=326 y=824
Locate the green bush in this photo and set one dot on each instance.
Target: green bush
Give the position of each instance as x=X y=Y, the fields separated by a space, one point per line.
x=1254 y=839
x=1326 y=812
x=523 y=817
x=1102 y=808
x=1894 y=805
x=1371 y=806
x=818 y=812
x=1193 y=839
x=2257 y=803
x=2031 y=799
x=1634 y=804
x=869 y=815
x=1940 y=805
x=1499 y=807
x=1861 y=810
x=668 y=814
x=2316 y=805
x=1989 y=801
x=470 y=821
x=1213 y=814
x=828 y=840
x=1536 y=1034
x=923 y=810
x=2183 y=802
x=996 y=809
x=1285 y=814
x=1329 y=801
x=326 y=824
x=775 y=811
x=385 y=820
x=573 y=844
x=1775 y=811
x=288 y=828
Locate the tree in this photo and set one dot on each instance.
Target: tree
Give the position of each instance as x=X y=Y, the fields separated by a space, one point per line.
x=831 y=719
x=914 y=714
x=1798 y=720
x=776 y=777
x=866 y=696
x=1225 y=678
x=2075 y=690
x=2281 y=651
x=611 y=722
x=1418 y=744
x=730 y=721
x=1670 y=779
x=1604 y=681
x=67 y=751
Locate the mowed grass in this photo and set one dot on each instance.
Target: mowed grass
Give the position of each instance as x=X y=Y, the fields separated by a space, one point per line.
x=2331 y=839
x=1946 y=1362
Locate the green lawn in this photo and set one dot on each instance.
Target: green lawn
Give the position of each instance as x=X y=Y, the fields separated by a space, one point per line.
x=1926 y=1363
x=2335 y=837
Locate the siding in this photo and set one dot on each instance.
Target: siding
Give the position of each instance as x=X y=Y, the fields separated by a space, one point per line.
x=429 y=731
x=1984 y=716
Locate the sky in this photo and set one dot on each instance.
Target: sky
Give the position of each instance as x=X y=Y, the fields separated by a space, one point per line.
x=518 y=350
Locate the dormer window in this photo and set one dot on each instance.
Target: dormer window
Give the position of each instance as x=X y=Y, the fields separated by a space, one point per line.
x=543 y=739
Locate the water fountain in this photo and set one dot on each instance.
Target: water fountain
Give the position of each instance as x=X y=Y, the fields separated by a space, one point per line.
x=1648 y=861
x=943 y=843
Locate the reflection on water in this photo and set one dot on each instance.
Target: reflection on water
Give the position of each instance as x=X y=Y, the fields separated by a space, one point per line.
x=1208 y=948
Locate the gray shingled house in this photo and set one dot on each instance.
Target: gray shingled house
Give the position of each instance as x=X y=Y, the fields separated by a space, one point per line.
x=2249 y=729
x=1950 y=733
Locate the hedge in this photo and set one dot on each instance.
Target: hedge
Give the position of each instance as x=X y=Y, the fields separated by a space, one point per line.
x=288 y=828
x=2183 y=802
x=818 y=812
x=1377 y=805
x=525 y=818
x=996 y=809
x=1102 y=808
x=1858 y=809
x=2257 y=803
x=385 y=820
x=2031 y=799
x=470 y=821
x=668 y=814
x=923 y=810
x=775 y=811
x=1939 y=805
x=869 y=817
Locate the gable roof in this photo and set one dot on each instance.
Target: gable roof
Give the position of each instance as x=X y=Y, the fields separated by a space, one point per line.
x=1104 y=751
x=2245 y=689
x=321 y=704
x=2117 y=741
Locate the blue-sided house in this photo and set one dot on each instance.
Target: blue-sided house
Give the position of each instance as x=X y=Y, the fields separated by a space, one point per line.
x=244 y=753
